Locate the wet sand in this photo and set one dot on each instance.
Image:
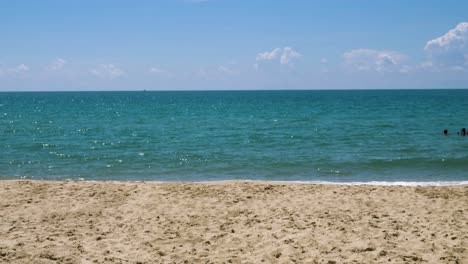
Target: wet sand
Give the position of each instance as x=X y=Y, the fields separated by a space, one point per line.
x=230 y=222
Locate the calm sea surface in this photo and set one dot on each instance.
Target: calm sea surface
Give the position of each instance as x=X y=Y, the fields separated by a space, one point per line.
x=340 y=136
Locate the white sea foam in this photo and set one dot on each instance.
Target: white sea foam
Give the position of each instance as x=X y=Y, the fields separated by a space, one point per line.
x=369 y=183
x=384 y=183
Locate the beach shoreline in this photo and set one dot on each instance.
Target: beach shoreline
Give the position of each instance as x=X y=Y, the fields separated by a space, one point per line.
x=336 y=183
x=231 y=222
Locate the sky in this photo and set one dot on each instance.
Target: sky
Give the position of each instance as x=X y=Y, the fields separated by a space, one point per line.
x=232 y=44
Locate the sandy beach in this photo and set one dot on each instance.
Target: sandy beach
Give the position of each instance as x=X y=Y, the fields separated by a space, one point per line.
x=230 y=222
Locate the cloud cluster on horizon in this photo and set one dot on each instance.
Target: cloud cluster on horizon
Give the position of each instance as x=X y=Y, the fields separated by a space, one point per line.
x=373 y=60
x=107 y=71
x=284 y=56
x=450 y=49
x=448 y=52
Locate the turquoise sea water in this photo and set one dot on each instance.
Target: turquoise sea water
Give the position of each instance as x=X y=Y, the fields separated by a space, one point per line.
x=339 y=136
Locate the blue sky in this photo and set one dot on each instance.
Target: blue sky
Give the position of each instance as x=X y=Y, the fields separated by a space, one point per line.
x=228 y=44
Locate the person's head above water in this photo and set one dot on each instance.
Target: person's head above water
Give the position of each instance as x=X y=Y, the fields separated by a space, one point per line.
x=445 y=132
x=463 y=132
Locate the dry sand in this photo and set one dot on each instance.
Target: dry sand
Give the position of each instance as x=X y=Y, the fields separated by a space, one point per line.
x=230 y=222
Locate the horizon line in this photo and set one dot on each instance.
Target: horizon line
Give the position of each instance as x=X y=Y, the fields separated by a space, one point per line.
x=235 y=90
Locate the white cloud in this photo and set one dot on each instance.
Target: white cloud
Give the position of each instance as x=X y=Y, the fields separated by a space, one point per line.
x=429 y=66
x=57 y=65
x=107 y=71
x=373 y=60
x=451 y=49
x=285 y=56
x=158 y=71
x=269 y=55
x=227 y=70
x=288 y=55
x=18 y=69
x=21 y=68
x=155 y=70
x=455 y=38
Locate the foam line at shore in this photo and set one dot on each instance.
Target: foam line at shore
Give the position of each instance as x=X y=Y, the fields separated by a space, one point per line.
x=388 y=183
x=370 y=183
x=375 y=183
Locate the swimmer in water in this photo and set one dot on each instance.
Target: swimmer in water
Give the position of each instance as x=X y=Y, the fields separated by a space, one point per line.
x=445 y=132
x=463 y=132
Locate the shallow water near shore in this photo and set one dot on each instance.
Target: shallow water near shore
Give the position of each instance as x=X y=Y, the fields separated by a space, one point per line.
x=312 y=136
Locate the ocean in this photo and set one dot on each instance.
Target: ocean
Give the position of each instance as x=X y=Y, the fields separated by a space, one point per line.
x=345 y=136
